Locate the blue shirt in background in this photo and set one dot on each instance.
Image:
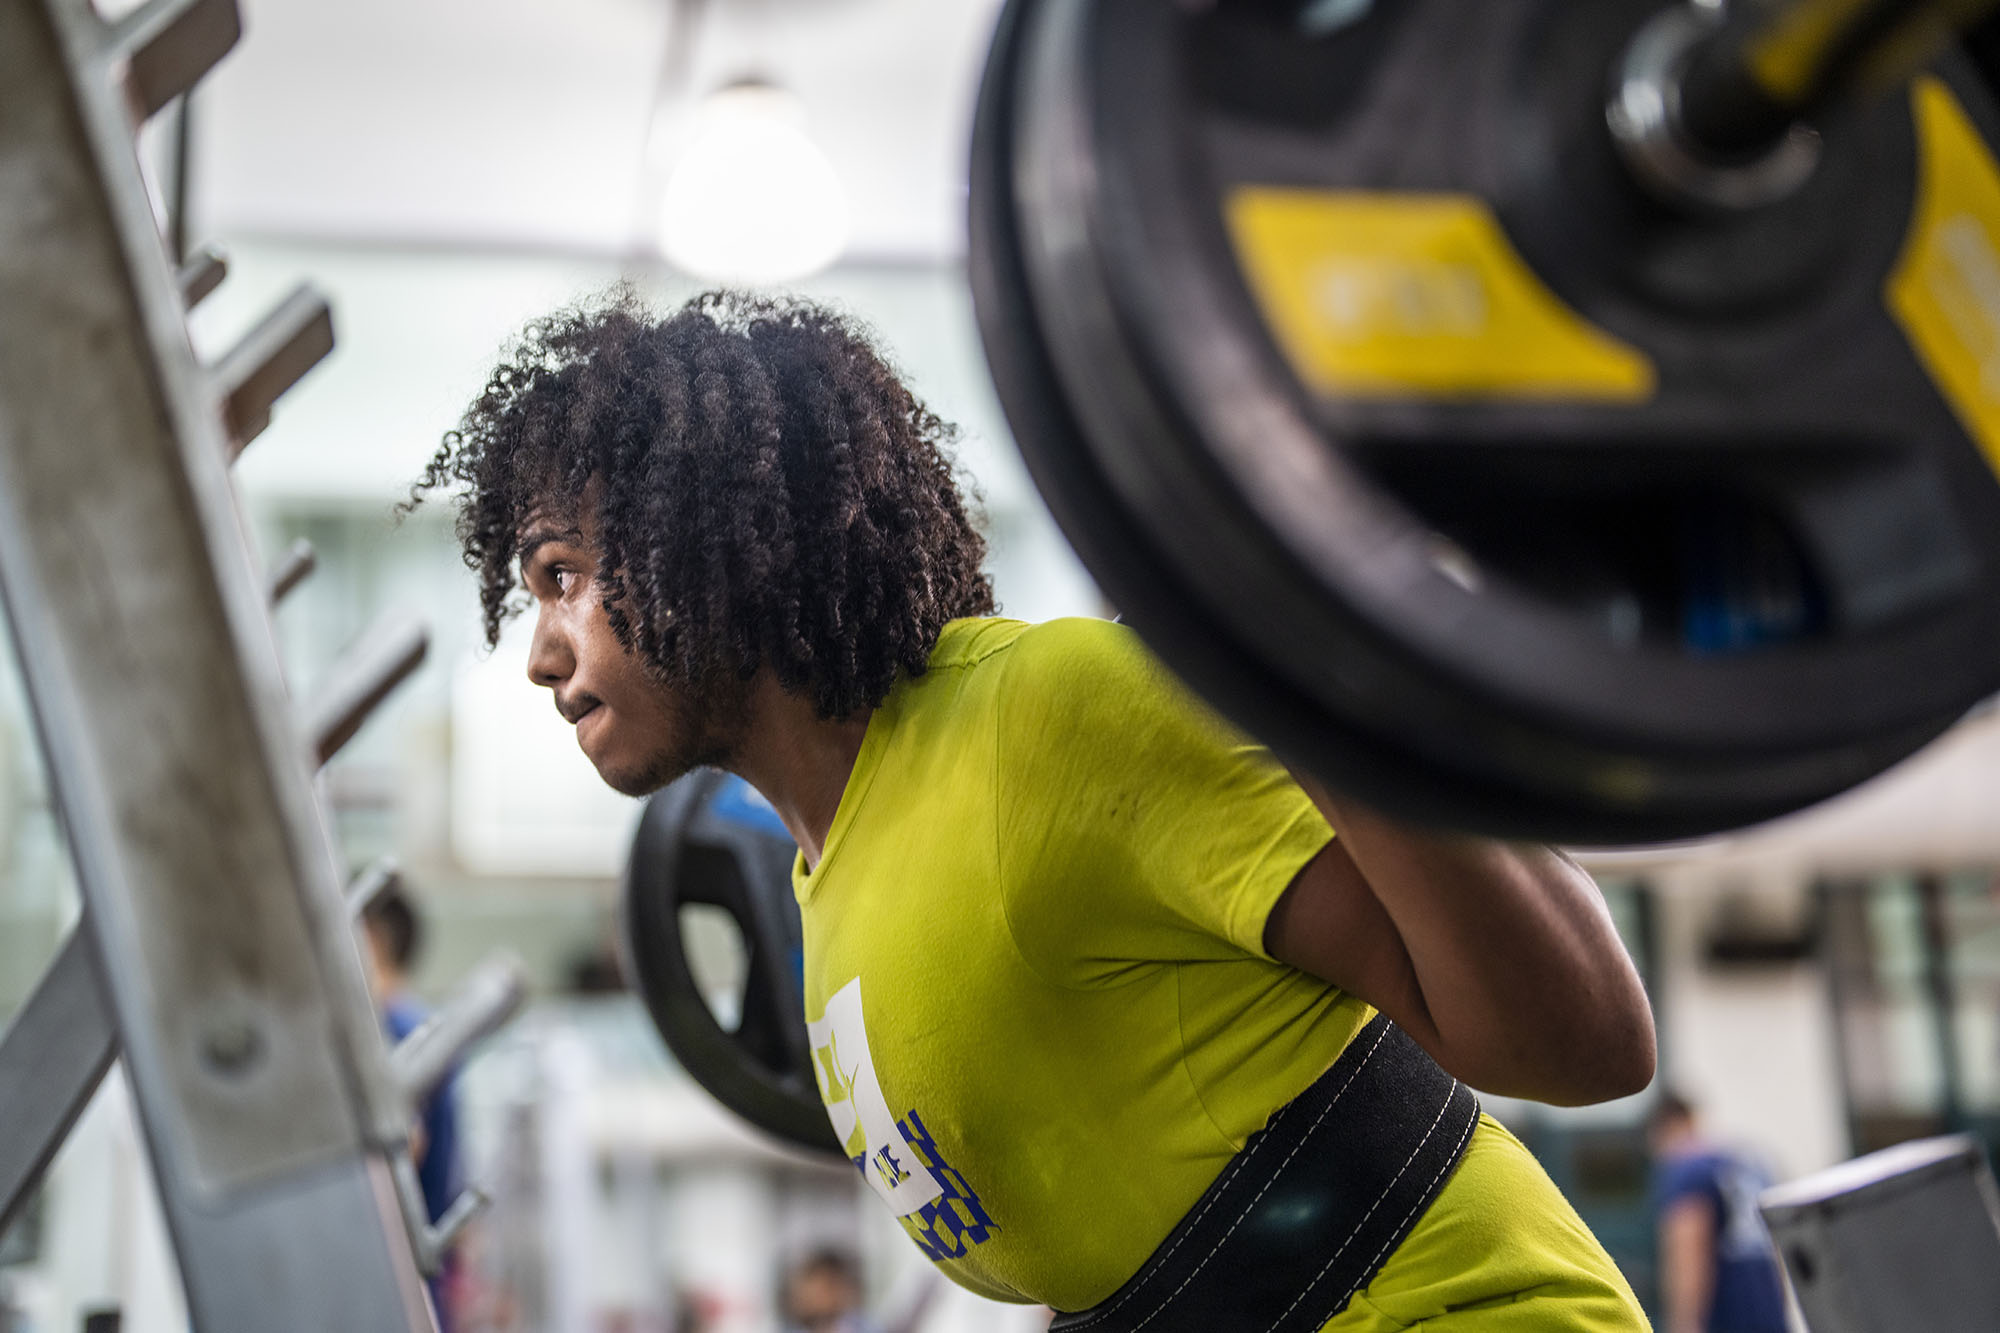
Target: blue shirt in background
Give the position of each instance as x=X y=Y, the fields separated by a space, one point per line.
x=439 y=1172
x=1749 y=1294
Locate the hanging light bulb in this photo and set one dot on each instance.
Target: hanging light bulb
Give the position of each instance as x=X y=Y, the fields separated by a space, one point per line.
x=752 y=199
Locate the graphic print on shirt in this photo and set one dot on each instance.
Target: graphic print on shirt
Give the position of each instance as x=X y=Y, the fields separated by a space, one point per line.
x=860 y=1115
x=898 y=1158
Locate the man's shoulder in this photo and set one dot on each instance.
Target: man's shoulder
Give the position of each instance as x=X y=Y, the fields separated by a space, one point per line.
x=969 y=642
x=1032 y=650
x=1077 y=650
x=1053 y=683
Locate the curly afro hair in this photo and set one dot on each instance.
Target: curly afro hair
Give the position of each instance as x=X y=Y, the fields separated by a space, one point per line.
x=766 y=489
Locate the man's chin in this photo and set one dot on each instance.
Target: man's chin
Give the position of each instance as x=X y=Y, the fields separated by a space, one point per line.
x=637 y=781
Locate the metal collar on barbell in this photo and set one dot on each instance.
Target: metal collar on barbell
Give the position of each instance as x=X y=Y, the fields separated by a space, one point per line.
x=1645 y=116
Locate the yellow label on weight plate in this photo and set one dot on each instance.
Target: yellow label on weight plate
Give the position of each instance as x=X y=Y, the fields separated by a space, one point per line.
x=1945 y=289
x=1417 y=295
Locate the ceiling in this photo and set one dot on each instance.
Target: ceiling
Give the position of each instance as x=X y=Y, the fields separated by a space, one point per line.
x=520 y=124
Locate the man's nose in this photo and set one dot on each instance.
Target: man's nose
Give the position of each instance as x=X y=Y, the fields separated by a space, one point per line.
x=550 y=660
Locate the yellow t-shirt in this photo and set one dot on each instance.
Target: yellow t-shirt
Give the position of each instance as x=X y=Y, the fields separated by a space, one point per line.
x=1041 y=1012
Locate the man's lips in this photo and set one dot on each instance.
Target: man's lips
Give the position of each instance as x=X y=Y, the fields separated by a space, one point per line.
x=578 y=711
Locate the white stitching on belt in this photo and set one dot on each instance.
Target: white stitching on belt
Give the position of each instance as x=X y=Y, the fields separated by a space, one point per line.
x=1356 y=1073
x=1370 y=1213
x=1236 y=1164
x=1451 y=1160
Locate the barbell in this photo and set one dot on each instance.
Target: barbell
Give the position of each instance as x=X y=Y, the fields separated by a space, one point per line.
x=1567 y=420
x=1436 y=404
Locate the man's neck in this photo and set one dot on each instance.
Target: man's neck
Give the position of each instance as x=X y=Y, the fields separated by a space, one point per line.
x=799 y=762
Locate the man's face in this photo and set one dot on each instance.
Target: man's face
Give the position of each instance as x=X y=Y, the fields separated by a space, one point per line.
x=639 y=732
x=822 y=1301
x=381 y=961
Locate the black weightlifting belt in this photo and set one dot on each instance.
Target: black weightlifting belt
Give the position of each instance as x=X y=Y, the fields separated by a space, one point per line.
x=1303 y=1217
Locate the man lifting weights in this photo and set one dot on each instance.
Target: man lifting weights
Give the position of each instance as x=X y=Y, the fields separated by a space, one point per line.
x=1093 y=983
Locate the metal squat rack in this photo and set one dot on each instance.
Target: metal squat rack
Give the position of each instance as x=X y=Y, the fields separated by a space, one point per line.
x=216 y=951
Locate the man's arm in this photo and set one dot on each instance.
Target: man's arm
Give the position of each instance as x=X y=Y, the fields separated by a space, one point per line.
x=1687 y=1273
x=1500 y=959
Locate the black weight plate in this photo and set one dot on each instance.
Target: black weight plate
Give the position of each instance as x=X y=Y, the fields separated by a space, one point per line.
x=1121 y=553
x=1495 y=708
x=701 y=842
x=1380 y=765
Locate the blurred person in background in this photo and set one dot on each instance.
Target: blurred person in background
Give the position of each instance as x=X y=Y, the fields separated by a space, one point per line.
x=394 y=933
x=1717 y=1270
x=823 y=1295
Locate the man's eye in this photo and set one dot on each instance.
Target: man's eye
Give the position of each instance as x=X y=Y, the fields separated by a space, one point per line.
x=564 y=578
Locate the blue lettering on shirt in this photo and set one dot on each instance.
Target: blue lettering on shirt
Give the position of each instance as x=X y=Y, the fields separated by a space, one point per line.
x=955 y=1221
x=887 y=1167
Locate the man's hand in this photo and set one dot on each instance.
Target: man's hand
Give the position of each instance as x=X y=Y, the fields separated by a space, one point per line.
x=1500 y=959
